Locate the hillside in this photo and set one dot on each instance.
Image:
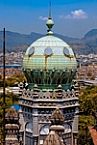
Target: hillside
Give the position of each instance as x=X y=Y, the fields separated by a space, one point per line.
x=19 y=42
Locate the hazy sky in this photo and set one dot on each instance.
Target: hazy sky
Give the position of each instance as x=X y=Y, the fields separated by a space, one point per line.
x=72 y=17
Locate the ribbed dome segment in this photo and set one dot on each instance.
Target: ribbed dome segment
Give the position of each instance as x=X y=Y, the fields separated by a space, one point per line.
x=49 y=60
x=62 y=55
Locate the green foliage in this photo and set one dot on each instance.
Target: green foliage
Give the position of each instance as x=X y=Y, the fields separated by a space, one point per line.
x=88 y=100
x=88 y=104
x=11 y=81
x=10 y=100
x=84 y=137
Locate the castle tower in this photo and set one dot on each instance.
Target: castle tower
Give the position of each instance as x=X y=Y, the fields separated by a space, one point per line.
x=50 y=66
x=12 y=127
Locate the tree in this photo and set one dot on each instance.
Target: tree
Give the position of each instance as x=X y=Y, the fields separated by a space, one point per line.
x=88 y=103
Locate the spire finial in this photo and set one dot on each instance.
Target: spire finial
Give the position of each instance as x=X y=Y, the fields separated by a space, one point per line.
x=49 y=22
x=49 y=10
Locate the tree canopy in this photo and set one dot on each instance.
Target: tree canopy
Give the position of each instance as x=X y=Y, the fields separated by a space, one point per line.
x=88 y=105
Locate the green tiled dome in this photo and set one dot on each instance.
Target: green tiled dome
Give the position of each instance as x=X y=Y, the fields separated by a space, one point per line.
x=61 y=57
x=49 y=60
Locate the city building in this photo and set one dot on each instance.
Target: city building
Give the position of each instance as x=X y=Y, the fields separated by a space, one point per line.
x=11 y=70
x=50 y=66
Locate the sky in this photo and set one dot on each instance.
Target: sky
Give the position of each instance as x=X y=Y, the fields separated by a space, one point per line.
x=72 y=18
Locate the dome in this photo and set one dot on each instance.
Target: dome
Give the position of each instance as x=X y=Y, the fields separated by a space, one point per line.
x=49 y=60
x=59 y=55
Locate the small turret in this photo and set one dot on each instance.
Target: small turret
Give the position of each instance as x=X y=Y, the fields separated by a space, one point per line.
x=57 y=120
x=12 y=127
x=56 y=129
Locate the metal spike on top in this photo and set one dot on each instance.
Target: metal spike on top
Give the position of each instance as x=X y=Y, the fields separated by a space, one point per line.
x=49 y=22
x=49 y=10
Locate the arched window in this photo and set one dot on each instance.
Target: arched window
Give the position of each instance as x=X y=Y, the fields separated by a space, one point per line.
x=48 y=52
x=67 y=128
x=29 y=127
x=44 y=130
x=66 y=51
x=31 y=51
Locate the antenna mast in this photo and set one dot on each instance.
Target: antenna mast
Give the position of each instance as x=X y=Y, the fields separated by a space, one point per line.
x=4 y=86
x=50 y=10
